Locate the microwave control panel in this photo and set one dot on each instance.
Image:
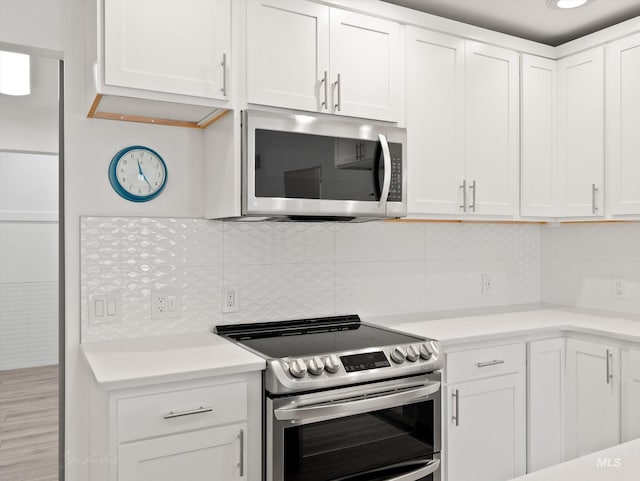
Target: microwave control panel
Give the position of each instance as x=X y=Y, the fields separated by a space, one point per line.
x=395 y=189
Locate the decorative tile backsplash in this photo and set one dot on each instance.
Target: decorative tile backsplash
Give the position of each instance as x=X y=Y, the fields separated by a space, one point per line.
x=294 y=270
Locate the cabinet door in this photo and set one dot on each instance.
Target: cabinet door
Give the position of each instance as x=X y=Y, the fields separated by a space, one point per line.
x=546 y=400
x=171 y=46
x=365 y=53
x=435 y=122
x=486 y=429
x=593 y=397
x=581 y=133
x=538 y=129
x=623 y=120
x=492 y=128
x=288 y=54
x=630 y=395
x=195 y=456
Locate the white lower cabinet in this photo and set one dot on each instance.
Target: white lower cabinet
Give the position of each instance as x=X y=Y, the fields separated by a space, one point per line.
x=593 y=397
x=187 y=430
x=485 y=426
x=630 y=395
x=545 y=403
x=201 y=455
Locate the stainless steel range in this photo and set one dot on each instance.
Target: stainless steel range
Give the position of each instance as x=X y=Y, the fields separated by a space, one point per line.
x=346 y=400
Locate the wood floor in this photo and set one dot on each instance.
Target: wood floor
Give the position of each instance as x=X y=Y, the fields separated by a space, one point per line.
x=29 y=424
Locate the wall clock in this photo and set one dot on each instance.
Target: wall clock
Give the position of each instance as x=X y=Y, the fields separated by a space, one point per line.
x=138 y=173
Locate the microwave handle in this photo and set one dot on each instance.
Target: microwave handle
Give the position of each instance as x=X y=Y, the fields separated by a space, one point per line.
x=386 y=182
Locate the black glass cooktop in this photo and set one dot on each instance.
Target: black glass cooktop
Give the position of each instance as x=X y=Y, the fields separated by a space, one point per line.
x=307 y=337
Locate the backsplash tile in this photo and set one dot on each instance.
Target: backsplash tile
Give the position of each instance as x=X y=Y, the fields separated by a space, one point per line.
x=294 y=270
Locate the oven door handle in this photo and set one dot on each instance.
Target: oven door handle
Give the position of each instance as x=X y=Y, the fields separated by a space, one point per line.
x=430 y=467
x=355 y=406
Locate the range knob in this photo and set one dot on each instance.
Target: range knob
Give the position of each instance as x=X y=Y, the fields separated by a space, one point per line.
x=332 y=363
x=316 y=366
x=412 y=354
x=298 y=368
x=425 y=351
x=398 y=355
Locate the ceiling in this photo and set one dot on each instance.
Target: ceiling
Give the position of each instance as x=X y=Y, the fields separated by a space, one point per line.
x=531 y=19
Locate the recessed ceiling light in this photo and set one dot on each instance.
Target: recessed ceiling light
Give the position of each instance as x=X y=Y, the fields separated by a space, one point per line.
x=565 y=4
x=15 y=73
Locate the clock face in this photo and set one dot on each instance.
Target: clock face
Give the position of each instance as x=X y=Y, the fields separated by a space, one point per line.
x=137 y=173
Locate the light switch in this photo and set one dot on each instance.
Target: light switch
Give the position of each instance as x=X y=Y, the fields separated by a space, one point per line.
x=99 y=308
x=111 y=306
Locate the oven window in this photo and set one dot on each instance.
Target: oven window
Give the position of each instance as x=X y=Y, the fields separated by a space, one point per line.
x=356 y=448
x=305 y=166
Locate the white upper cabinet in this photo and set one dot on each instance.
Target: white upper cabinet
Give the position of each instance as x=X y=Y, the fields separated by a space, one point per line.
x=307 y=56
x=492 y=99
x=283 y=71
x=435 y=122
x=462 y=126
x=174 y=46
x=365 y=65
x=581 y=133
x=539 y=166
x=623 y=119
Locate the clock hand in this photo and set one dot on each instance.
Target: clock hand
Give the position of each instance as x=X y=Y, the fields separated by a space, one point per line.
x=144 y=177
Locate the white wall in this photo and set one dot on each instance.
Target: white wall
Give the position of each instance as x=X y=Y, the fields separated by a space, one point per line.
x=28 y=259
x=580 y=261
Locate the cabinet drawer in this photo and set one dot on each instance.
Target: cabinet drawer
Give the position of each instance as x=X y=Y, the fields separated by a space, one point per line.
x=171 y=412
x=484 y=362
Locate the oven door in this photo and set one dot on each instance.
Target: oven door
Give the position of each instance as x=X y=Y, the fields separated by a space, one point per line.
x=388 y=431
x=303 y=165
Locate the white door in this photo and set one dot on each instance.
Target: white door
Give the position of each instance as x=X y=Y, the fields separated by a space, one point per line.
x=487 y=440
x=546 y=401
x=623 y=120
x=435 y=123
x=204 y=455
x=148 y=46
x=288 y=54
x=492 y=128
x=365 y=66
x=630 y=395
x=539 y=176
x=581 y=133
x=593 y=397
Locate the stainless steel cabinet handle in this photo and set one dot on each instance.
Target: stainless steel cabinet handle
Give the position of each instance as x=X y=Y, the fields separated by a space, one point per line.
x=224 y=74
x=456 y=407
x=495 y=362
x=430 y=468
x=464 y=196
x=325 y=81
x=609 y=373
x=177 y=414
x=472 y=206
x=594 y=199
x=241 y=463
x=339 y=93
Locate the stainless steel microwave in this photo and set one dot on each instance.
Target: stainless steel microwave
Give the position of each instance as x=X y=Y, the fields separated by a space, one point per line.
x=312 y=166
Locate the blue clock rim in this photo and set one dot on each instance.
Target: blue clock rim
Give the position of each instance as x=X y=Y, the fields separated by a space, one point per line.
x=118 y=188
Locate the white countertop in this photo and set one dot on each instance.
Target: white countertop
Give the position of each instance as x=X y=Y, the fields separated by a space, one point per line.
x=618 y=463
x=457 y=327
x=138 y=362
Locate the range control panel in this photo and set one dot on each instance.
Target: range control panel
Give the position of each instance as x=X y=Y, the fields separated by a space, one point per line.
x=362 y=362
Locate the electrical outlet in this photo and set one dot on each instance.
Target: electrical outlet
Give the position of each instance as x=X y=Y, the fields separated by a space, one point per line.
x=166 y=304
x=618 y=289
x=486 y=284
x=230 y=299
